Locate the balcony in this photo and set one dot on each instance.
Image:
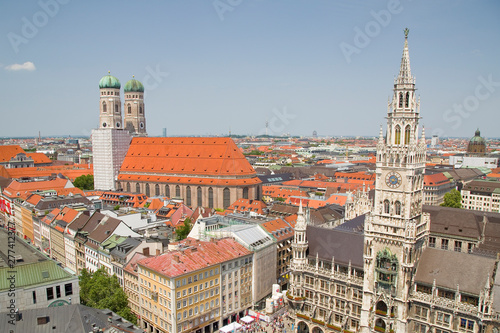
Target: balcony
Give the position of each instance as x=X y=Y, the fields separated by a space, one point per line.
x=445 y=302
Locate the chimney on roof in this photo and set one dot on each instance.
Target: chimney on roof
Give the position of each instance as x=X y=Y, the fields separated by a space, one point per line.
x=145 y=251
x=175 y=258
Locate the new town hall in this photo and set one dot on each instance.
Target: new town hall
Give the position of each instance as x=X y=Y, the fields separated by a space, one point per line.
x=389 y=277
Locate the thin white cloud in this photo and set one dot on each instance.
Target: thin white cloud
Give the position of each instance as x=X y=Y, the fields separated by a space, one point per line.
x=27 y=66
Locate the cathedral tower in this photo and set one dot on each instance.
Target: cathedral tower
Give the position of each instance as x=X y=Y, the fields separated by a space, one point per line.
x=135 y=118
x=110 y=142
x=110 y=115
x=395 y=229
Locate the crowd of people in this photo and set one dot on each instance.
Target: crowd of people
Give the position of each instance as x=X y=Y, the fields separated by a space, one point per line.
x=278 y=324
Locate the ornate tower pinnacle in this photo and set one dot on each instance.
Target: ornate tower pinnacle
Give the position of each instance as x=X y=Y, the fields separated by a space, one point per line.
x=405 y=70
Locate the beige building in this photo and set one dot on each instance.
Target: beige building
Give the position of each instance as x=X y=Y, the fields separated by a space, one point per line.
x=180 y=291
x=131 y=283
x=483 y=195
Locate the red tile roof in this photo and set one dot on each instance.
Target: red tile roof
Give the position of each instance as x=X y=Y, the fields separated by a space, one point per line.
x=132 y=264
x=123 y=198
x=247 y=205
x=169 y=157
x=16 y=188
x=39 y=158
x=7 y=152
x=279 y=228
x=197 y=255
x=278 y=191
x=34 y=199
x=69 y=171
x=67 y=215
x=435 y=179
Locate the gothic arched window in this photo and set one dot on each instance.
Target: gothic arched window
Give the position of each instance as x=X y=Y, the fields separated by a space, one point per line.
x=129 y=109
x=167 y=191
x=140 y=109
x=188 y=196
x=137 y=188
x=407 y=100
x=199 y=197
x=400 y=100
x=157 y=190
x=226 y=195
x=147 y=190
x=177 y=191
x=407 y=134
x=397 y=136
x=397 y=208
x=387 y=206
x=104 y=107
x=128 y=187
x=210 y=197
x=116 y=108
x=245 y=193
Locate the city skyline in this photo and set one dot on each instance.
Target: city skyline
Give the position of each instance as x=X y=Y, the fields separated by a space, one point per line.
x=230 y=66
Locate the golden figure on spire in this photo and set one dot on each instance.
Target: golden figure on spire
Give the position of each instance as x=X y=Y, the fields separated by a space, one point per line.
x=406 y=32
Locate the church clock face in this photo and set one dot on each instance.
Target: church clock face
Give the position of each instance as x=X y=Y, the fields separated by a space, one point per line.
x=393 y=179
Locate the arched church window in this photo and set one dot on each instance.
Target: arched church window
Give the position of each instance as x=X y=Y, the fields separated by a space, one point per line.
x=128 y=187
x=129 y=109
x=210 y=197
x=116 y=108
x=407 y=100
x=226 y=194
x=157 y=190
x=397 y=136
x=397 y=208
x=407 y=134
x=137 y=188
x=381 y=308
x=140 y=109
x=400 y=100
x=188 y=196
x=147 y=190
x=104 y=108
x=245 y=193
x=167 y=191
x=387 y=206
x=199 y=196
x=177 y=191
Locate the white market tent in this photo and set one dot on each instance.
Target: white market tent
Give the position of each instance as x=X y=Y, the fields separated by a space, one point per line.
x=233 y=327
x=247 y=319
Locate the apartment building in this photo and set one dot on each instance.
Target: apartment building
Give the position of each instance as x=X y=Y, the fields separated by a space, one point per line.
x=180 y=291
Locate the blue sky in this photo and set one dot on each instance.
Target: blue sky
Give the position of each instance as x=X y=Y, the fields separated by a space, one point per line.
x=214 y=66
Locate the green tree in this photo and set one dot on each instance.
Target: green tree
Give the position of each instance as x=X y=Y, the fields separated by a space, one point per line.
x=183 y=231
x=84 y=182
x=100 y=291
x=452 y=199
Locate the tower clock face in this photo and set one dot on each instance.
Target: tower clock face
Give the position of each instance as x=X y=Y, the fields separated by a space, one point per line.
x=393 y=179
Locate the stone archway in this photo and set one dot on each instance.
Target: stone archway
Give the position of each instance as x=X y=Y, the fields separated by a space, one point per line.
x=317 y=330
x=380 y=325
x=302 y=327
